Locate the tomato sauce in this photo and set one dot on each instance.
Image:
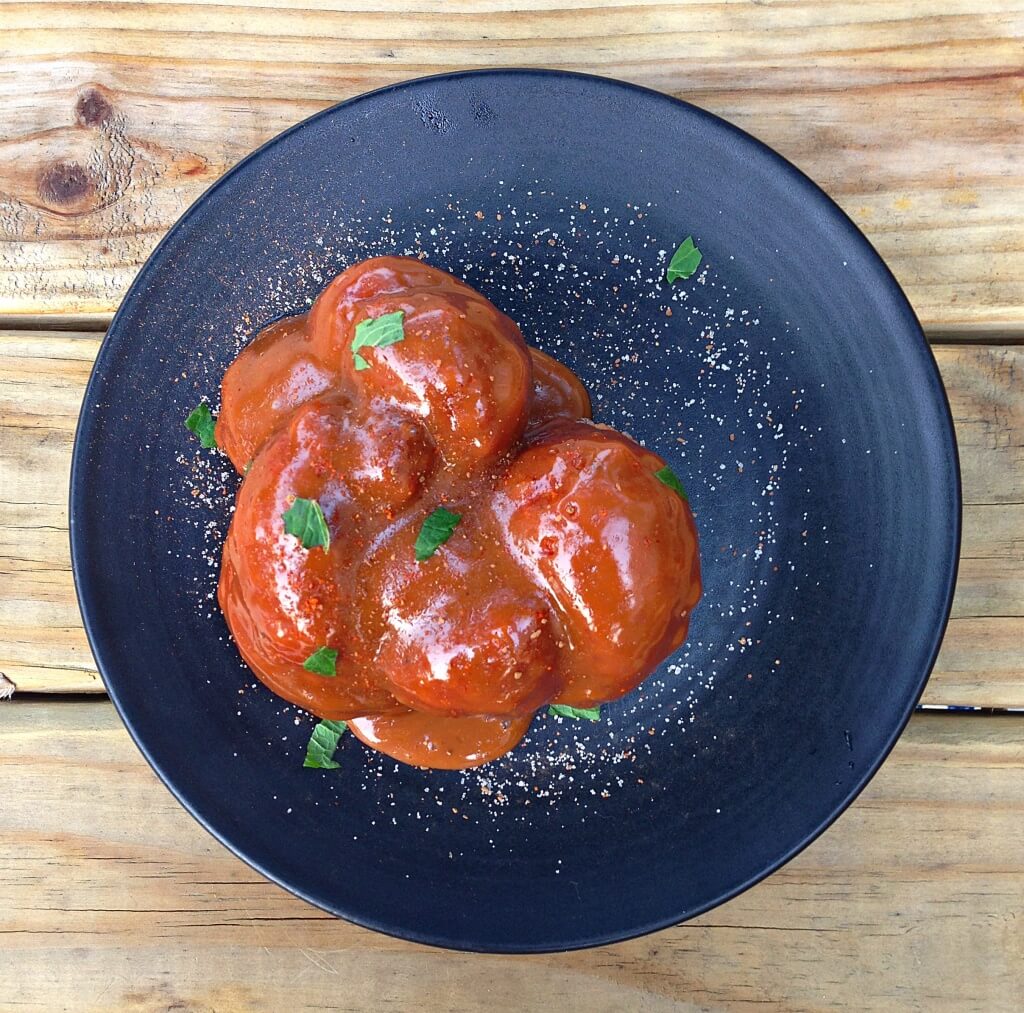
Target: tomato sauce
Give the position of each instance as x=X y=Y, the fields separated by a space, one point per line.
x=570 y=576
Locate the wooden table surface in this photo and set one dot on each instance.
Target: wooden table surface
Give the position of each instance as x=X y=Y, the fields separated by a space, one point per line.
x=115 y=116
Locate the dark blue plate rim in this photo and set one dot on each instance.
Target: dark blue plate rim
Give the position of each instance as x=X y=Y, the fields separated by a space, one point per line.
x=78 y=502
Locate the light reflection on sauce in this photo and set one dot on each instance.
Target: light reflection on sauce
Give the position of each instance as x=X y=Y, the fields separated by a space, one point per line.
x=570 y=577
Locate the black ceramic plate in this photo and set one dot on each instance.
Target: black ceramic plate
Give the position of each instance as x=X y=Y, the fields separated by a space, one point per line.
x=787 y=382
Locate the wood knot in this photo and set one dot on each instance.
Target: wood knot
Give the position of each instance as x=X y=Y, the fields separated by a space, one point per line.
x=66 y=186
x=92 y=108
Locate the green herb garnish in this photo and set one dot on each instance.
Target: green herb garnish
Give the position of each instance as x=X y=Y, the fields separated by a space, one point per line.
x=436 y=530
x=586 y=713
x=200 y=423
x=322 y=743
x=684 y=262
x=668 y=477
x=377 y=333
x=305 y=520
x=322 y=662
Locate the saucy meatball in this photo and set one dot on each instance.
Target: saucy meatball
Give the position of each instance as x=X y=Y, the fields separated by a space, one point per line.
x=462 y=366
x=284 y=601
x=272 y=376
x=465 y=634
x=613 y=546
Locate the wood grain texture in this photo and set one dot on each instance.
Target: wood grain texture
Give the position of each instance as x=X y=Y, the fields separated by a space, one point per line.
x=42 y=644
x=43 y=647
x=103 y=908
x=114 y=117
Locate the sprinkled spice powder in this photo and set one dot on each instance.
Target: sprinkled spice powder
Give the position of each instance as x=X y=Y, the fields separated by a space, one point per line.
x=586 y=282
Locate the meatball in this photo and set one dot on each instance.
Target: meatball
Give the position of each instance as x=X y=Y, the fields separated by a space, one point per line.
x=284 y=601
x=461 y=633
x=272 y=376
x=462 y=367
x=614 y=547
x=557 y=392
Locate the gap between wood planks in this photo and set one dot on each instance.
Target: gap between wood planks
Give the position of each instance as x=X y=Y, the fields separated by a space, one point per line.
x=90 y=323
x=43 y=647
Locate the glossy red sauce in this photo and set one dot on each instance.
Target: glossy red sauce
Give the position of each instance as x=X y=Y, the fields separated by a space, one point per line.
x=572 y=573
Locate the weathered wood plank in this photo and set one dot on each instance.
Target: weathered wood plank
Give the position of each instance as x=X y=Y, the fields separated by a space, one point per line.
x=113 y=117
x=99 y=910
x=42 y=643
x=43 y=647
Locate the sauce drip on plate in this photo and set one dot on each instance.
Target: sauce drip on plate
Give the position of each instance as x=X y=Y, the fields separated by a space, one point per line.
x=569 y=576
